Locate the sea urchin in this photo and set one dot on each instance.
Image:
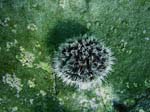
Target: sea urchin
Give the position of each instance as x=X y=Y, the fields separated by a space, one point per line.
x=82 y=61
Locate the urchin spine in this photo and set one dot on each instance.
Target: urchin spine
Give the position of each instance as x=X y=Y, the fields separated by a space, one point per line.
x=82 y=60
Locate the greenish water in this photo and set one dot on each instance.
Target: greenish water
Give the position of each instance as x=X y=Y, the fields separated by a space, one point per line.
x=30 y=32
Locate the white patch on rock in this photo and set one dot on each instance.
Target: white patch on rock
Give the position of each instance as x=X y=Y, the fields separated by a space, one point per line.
x=14 y=109
x=62 y=3
x=32 y=27
x=147 y=38
x=26 y=58
x=5 y=22
x=42 y=92
x=31 y=83
x=31 y=101
x=9 y=45
x=13 y=81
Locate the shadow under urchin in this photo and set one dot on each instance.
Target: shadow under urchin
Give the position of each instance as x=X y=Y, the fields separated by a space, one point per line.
x=63 y=31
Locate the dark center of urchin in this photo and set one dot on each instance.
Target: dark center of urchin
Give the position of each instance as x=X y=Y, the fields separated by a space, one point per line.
x=82 y=59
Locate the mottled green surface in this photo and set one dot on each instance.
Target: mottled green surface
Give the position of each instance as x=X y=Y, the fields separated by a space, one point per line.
x=30 y=31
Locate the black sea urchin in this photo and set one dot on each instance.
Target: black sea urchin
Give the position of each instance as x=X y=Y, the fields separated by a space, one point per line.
x=82 y=60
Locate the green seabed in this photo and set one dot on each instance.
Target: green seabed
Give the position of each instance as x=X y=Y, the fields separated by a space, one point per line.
x=30 y=32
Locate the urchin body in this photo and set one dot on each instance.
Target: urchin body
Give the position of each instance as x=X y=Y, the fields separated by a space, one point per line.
x=82 y=61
